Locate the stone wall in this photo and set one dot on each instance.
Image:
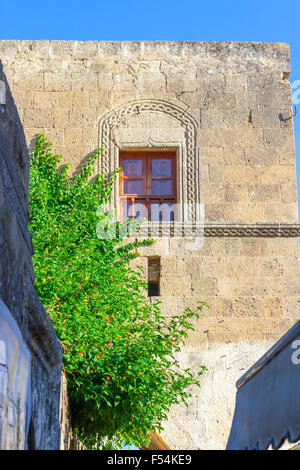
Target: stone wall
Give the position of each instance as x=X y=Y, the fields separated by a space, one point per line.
x=225 y=108
x=17 y=279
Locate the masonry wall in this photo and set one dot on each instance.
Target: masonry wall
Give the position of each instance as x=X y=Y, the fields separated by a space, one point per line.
x=17 y=280
x=226 y=108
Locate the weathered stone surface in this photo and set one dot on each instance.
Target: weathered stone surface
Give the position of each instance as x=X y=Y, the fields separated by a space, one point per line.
x=17 y=281
x=227 y=103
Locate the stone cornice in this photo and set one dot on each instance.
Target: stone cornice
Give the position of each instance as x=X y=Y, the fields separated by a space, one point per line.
x=218 y=229
x=267 y=230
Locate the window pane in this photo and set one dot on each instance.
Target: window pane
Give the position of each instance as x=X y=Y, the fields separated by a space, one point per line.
x=161 y=187
x=161 y=167
x=168 y=212
x=133 y=187
x=156 y=215
x=127 y=210
x=132 y=167
x=162 y=212
x=140 y=210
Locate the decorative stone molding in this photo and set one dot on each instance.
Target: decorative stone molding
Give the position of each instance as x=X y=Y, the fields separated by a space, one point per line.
x=188 y=155
x=214 y=229
x=265 y=230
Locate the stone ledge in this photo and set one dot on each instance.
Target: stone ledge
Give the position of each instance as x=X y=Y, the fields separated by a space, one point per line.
x=217 y=229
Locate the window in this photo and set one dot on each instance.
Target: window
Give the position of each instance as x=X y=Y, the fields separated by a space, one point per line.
x=148 y=185
x=153 y=275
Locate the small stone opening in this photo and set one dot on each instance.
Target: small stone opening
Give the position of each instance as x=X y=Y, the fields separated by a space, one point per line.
x=153 y=276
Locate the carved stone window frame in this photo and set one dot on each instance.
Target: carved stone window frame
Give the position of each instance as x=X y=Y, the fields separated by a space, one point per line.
x=188 y=166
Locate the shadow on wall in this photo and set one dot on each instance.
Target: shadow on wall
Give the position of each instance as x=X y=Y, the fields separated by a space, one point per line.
x=79 y=167
x=17 y=286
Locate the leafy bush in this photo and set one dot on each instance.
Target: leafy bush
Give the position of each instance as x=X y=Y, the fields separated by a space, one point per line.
x=118 y=350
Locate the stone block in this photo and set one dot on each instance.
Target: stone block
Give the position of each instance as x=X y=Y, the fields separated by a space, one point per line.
x=52 y=134
x=275 y=173
x=282 y=212
x=211 y=155
x=248 y=307
x=291 y=307
x=61 y=118
x=61 y=49
x=204 y=286
x=233 y=155
x=275 y=95
x=210 y=246
x=268 y=118
x=28 y=79
x=99 y=101
x=232 y=247
x=72 y=136
x=210 y=81
x=36 y=49
x=175 y=286
x=264 y=192
x=46 y=99
x=212 y=193
x=227 y=287
x=246 y=101
x=160 y=121
x=193 y=99
x=218 y=100
x=85 y=49
x=74 y=99
x=81 y=118
x=38 y=118
x=220 y=119
x=261 y=155
x=236 y=83
x=10 y=49
x=159 y=248
x=90 y=81
x=180 y=81
x=169 y=267
x=254 y=246
x=289 y=192
x=172 y=306
x=59 y=80
x=110 y=49
x=235 y=193
x=279 y=137
x=271 y=307
x=90 y=136
x=286 y=155
x=287 y=247
x=150 y=82
x=225 y=137
x=23 y=98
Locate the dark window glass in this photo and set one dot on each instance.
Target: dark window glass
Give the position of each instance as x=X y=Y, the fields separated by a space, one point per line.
x=133 y=187
x=161 y=168
x=156 y=214
x=132 y=167
x=163 y=187
x=148 y=184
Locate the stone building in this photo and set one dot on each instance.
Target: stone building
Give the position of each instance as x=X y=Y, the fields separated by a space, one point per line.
x=30 y=354
x=205 y=127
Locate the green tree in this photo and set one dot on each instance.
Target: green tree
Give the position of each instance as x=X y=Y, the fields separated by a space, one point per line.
x=118 y=350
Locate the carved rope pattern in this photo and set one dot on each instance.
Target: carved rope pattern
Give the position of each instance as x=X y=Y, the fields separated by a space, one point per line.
x=179 y=229
x=114 y=119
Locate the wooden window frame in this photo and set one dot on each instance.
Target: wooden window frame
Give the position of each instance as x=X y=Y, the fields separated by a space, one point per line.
x=146 y=197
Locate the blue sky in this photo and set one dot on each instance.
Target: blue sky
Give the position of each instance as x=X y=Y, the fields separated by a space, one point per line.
x=185 y=20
